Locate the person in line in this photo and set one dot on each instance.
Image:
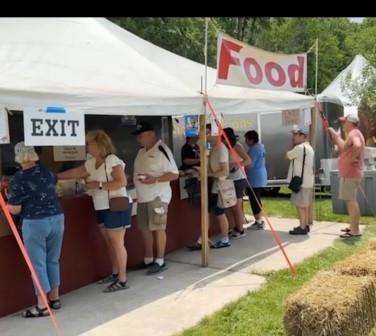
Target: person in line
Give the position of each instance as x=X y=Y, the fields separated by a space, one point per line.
x=238 y=159
x=154 y=169
x=218 y=168
x=190 y=154
x=351 y=169
x=32 y=195
x=105 y=178
x=257 y=176
x=301 y=154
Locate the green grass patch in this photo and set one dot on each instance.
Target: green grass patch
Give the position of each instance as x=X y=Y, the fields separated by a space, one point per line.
x=282 y=207
x=260 y=313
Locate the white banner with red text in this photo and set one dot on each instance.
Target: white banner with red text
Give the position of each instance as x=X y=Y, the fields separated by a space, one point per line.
x=240 y=64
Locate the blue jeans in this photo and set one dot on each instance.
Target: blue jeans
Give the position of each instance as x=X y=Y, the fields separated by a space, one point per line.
x=43 y=239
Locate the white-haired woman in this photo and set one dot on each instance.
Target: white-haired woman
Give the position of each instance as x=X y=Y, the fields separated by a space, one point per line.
x=33 y=196
x=105 y=176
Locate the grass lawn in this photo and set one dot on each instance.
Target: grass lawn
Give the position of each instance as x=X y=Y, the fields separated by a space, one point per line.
x=260 y=313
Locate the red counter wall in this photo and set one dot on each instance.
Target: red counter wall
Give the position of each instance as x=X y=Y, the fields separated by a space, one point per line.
x=84 y=259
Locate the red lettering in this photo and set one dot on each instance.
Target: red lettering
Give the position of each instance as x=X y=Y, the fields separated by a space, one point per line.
x=225 y=57
x=281 y=74
x=296 y=72
x=248 y=62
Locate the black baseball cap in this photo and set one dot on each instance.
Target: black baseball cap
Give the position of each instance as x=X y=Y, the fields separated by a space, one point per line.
x=141 y=127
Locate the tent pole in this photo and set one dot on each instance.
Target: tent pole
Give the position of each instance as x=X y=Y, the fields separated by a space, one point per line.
x=203 y=165
x=317 y=64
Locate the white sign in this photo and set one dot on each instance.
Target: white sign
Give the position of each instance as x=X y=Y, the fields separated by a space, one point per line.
x=54 y=128
x=69 y=153
x=240 y=64
x=4 y=127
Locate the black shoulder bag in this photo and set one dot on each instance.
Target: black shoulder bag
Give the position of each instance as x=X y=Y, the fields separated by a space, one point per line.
x=296 y=181
x=120 y=203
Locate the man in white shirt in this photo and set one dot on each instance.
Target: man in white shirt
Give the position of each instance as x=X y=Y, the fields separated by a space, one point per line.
x=154 y=168
x=300 y=155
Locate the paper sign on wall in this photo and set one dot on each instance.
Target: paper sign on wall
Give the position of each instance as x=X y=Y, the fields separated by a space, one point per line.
x=191 y=125
x=69 y=153
x=4 y=127
x=54 y=127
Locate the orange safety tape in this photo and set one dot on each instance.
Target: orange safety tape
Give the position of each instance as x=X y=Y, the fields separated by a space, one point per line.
x=235 y=157
x=28 y=261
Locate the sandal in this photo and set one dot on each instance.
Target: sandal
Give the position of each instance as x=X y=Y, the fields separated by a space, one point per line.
x=116 y=286
x=37 y=312
x=54 y=304
x=350 y=235
x=108 y=279
x=346 y=230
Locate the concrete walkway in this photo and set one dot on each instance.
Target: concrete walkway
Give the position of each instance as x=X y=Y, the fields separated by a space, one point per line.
x=181 y=296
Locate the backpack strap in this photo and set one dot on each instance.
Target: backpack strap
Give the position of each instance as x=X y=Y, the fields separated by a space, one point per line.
x=160 y=147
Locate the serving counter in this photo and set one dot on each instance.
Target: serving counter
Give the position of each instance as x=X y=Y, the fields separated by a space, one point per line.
x=84 y=258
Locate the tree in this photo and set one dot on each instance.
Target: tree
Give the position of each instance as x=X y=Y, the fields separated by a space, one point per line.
x=362 y=93
x=363 y=40
x=183 y=36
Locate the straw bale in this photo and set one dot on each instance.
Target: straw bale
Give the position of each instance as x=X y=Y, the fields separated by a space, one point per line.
x=332 y=304
x=360 y=264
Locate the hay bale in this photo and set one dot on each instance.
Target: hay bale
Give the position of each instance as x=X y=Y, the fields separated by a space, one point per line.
x=332 y=305
x=360 y=264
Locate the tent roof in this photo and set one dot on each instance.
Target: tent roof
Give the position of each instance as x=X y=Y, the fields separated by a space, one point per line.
x=94 y=65
x=354 y=70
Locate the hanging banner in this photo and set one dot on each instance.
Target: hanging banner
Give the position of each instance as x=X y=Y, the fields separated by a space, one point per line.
x=240 y=64
x=54 y=126
x=4 y=127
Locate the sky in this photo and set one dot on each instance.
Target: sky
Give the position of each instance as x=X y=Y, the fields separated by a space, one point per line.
x=357 y=19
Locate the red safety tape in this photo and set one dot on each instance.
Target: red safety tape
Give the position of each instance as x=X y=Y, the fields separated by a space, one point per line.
x=235 y=157
x=28 y=261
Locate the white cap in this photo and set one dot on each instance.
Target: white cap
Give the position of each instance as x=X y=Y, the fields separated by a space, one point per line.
x=352 y=117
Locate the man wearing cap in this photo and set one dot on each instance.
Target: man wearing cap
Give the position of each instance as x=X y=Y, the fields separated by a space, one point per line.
x=154 y=168
x=301 y=158
x=350 y=167
x=190 y=153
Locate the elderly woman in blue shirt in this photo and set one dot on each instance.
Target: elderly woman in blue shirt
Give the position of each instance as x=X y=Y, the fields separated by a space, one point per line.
x=33 y=197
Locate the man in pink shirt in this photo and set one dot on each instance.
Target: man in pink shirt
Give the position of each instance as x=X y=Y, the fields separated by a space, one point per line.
x=350 y=166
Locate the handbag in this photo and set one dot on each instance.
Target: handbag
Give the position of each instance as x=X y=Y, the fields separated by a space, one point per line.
x=226 y=194
x=119 y=203
x=297 y=181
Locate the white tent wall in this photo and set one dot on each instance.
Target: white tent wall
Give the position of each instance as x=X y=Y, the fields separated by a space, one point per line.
x=95 y=66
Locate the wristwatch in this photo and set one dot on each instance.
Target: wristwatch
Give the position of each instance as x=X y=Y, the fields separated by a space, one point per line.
x=100 y=187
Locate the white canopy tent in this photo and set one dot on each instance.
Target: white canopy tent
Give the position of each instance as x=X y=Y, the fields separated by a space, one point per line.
x=354 y=71
x=93 y=65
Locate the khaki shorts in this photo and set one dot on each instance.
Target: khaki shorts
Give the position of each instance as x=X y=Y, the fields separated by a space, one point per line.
x=302 y=199
x=152 y=215
x=348 y=188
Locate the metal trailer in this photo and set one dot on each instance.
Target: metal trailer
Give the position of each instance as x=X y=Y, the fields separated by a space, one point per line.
x=275 y=133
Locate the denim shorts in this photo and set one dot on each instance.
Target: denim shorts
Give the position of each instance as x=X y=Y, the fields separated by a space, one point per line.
x=115 y=219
